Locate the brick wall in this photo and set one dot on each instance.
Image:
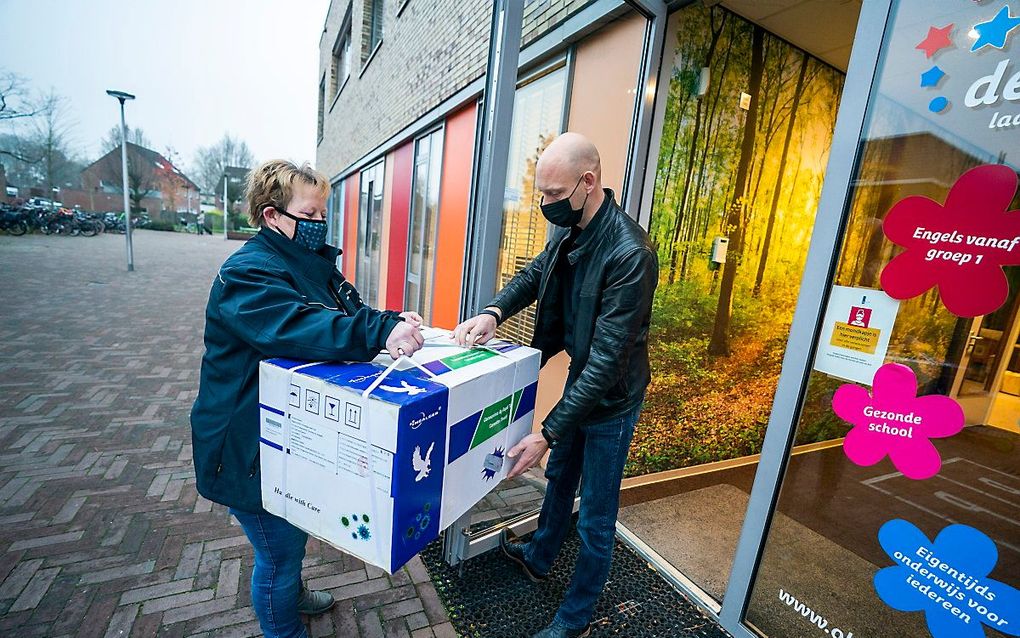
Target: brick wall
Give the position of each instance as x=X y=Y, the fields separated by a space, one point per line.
x=430 y=51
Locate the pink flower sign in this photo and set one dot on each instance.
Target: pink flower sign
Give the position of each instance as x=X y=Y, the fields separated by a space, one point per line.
x=892 y=420
x=960 y=246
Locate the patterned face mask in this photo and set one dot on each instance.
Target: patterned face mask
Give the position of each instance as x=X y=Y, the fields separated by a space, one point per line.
x=310 y=233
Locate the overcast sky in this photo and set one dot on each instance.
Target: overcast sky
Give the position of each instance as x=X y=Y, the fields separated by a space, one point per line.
x=200 y=68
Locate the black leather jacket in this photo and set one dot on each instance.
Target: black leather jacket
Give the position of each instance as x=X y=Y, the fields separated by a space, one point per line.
x=609 y=371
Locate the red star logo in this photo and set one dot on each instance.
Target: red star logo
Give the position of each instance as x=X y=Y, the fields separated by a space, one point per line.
x=937 y=39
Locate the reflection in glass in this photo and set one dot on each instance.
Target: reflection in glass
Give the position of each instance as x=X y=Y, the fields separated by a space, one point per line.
x=337 y=200
x=538 y=112
x=428 y=164
x=370 y=233
x=823 y=550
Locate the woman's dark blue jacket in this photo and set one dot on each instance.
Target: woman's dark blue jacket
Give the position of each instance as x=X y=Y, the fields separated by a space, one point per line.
x=272 y=298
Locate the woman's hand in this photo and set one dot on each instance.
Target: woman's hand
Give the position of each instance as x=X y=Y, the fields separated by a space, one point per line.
x=405 y=339
x=412 y=318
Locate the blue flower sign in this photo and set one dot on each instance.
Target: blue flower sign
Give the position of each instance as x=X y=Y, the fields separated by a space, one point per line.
x=948 y=580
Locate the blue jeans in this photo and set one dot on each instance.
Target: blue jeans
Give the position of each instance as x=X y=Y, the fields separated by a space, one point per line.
x=276 y=579
x=592 y=455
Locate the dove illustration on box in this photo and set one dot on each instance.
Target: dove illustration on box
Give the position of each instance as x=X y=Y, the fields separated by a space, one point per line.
x=377 y=458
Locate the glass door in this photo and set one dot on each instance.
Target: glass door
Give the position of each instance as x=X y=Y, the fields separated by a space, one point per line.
x=987 y=353
x=747 y=124
x=977 y=371
x=898 y=512
x=370 y=233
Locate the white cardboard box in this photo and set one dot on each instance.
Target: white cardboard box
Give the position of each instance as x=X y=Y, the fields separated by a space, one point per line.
x=379 y=475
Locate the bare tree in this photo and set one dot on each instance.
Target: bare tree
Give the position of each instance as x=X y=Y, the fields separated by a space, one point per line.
x=210 y=161
x=142 y=174
x=52 y=129
x=15 y=99
x=17 y=106
x=111 y=140
x=21 y=158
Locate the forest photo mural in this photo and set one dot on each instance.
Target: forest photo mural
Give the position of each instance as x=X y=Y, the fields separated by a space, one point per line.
x=746 y=135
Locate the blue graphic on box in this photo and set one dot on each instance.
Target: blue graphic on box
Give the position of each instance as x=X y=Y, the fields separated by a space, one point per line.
x=506 y=347
x=527 y=403
x=422 y=521
x=947 y=579
x=418 y=470
x=286 y=364
x=359 y=526
x=462 y=433
x=437 y=367
x=493 y=464
x=400 y=386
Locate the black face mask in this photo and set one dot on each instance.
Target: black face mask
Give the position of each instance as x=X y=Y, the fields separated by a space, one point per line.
x=561 y=213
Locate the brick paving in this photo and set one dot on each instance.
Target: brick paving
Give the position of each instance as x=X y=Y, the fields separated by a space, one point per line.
x=102 y=532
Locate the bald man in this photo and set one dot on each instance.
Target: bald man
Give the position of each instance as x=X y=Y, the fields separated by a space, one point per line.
x=594 y=284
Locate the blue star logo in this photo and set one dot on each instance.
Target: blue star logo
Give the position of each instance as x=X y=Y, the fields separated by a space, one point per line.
x=493 y=464
x=995 y=31
x=932 y=76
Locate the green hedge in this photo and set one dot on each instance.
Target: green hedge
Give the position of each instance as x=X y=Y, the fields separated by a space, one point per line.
x=214 y=220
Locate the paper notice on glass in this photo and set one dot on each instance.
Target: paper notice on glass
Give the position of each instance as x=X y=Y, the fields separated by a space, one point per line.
x=855 y=333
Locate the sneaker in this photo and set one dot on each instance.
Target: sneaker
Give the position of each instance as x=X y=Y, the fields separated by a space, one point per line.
x=313 y=603
x=556 y=630
x=515 y=552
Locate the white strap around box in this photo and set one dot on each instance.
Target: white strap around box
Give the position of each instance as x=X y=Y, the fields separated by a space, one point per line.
x=382 y=377
x=377 y=538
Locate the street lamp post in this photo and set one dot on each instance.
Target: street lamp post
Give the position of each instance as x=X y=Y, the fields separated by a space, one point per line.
x=123 y=97
x=226 y=205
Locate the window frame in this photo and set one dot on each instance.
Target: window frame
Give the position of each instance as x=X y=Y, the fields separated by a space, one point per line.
x=368 y=215
x=342 y=44
x=322 y=110
x=371 y=10
x=425 y=280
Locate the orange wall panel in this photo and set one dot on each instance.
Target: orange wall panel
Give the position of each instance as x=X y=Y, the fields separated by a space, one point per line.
x=353 y=193
x=384 y=248
x=454 y=202
x=602 y=96
x=400 y=210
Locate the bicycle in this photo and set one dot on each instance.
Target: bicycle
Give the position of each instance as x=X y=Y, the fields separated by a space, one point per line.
x=12 y=222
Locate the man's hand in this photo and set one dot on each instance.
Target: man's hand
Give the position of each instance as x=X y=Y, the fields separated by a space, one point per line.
x=404 y=339
x=412 y=318
x=475 y=331
x=528 y=453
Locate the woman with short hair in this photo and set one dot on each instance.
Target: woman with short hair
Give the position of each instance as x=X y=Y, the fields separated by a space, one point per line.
x=279 y=295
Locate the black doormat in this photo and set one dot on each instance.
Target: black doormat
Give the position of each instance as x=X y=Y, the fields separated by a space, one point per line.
x=492 y=599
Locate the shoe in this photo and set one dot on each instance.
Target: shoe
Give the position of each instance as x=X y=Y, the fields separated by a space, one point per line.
x=313 y=603
x=556 y=630
x=515 y=552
